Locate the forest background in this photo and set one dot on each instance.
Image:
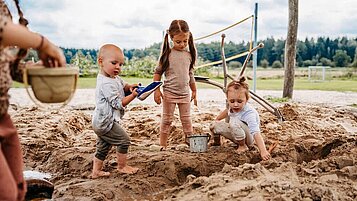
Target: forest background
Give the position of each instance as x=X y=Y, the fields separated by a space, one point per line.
x=323 y=51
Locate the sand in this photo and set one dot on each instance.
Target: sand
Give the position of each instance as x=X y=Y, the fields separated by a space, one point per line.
x=316 y=157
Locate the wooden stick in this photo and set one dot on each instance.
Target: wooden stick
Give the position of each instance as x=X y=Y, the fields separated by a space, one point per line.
x=272 y=146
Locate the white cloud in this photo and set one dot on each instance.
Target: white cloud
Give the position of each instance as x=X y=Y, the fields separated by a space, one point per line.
x=140 y=23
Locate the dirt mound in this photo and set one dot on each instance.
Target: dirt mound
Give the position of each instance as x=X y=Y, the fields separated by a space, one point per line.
x=316 y=156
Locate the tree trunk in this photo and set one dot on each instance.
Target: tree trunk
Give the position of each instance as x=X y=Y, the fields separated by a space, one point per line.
x=290 y=49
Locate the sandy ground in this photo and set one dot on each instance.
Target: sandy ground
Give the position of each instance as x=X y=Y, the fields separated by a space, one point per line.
x=316 y=158
x=86 y=97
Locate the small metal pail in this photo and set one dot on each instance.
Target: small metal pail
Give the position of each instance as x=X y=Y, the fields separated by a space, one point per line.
x=198 y=143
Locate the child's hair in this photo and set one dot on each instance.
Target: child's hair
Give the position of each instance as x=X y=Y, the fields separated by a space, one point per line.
x=104 y=49
x=239 y=85
x=176 y=27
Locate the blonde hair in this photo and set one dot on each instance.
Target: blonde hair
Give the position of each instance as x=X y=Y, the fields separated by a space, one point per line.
x=176 y=27
x=238 y=85
x=106 y=48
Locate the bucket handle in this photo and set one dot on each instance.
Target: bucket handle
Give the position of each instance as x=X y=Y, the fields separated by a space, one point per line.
x=207 y=135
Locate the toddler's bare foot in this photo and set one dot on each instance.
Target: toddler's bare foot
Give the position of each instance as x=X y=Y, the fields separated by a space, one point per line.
x=95 y=175
x=128 y=170
x=242 y=149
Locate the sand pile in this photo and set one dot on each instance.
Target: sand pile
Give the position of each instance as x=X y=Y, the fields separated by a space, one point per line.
x=316 y=157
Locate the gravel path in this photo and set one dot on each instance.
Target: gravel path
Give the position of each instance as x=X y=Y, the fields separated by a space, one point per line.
x=20 y=97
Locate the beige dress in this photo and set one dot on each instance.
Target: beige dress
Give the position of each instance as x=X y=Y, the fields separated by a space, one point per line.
x=176 y=91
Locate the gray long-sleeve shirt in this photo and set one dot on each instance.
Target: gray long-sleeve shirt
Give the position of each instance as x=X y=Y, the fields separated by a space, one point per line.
x=108 y=99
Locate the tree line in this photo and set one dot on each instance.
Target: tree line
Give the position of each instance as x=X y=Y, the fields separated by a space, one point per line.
x=339 y=52
x=323 y=51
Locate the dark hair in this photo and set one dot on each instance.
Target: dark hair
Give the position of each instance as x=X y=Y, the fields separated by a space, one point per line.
x=239 y=85
x=176 y=27
x=22 y=20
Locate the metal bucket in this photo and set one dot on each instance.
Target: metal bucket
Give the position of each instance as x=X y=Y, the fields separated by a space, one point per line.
x=38 y=185
x=198 y=143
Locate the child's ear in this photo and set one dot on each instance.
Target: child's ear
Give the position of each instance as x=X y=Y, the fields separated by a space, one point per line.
x=100 y=60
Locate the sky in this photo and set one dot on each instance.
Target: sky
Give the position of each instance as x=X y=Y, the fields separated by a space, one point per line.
x=140 y=23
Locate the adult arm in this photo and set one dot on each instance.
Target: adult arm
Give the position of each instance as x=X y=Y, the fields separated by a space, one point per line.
x=18 y=35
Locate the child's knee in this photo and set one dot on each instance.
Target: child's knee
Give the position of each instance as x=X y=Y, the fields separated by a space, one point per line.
x=166 y=121
x=221 y=128
x=186 y=120
x=237 y=132
x=167 y=118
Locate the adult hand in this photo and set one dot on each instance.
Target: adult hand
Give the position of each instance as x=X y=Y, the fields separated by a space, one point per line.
x=51 y=55
x=157 y=96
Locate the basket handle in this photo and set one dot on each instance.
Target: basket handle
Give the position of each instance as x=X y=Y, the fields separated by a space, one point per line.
x=38 y=103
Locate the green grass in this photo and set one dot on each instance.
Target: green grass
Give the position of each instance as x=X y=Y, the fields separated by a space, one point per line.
x=276 y=99
x=262 y=84
x=304 y=84
x=299 y=84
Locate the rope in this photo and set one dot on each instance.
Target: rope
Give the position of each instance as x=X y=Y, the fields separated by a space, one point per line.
x=251 y=35
x=228 y=59
x=200 y=38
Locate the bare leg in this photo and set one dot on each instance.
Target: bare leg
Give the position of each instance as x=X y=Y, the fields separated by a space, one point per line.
x=123 y=167
x=163 y=139
x=185 y=117
x=97 y=169
x=242 y=147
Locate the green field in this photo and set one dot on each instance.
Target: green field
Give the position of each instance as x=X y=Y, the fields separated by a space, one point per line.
x=262 y=84
x=266 y=80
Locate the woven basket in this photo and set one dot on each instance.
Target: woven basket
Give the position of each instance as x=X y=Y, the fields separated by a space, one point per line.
x=51 y=85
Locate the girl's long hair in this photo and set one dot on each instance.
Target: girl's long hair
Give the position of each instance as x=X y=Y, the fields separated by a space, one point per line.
x=176 y=27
